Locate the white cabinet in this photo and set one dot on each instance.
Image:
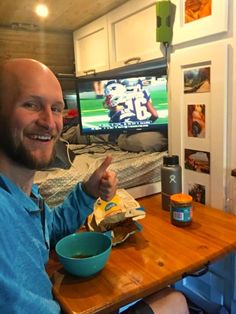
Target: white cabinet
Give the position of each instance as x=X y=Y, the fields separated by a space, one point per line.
x=124 y=36
x=91 y=47
x=132 y=33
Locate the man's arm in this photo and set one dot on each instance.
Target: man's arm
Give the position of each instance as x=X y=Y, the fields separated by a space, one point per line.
x=79 y=204
x=152 y=110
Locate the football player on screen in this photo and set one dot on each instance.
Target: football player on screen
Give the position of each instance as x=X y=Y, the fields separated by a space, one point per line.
x=129 y=101
x=115 y=101
x=138 y=100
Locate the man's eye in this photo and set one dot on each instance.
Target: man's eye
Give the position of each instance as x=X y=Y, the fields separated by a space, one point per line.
x=30 y=105
x=57 y=109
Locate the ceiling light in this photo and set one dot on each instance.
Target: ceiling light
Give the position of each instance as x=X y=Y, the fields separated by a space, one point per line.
x=41 y=10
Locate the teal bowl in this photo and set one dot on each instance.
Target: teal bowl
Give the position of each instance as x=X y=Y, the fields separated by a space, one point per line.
x=84 y=254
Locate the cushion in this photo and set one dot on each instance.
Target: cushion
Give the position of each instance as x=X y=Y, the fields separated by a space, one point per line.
x=146 y=141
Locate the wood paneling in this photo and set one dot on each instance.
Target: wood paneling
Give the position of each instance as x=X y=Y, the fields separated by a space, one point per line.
x=54 y=49
x=53 y=44
x=64 y=15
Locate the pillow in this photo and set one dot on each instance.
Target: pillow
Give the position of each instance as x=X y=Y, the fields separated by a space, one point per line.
x=146 y=141
x=73 y=136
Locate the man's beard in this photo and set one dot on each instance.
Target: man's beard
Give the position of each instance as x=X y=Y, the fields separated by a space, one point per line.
x=18 y=152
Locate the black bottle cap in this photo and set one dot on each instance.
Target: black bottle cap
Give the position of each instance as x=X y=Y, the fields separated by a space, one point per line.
x=171 y=160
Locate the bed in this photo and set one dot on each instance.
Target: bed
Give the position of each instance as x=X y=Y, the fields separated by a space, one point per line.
x=138 y=170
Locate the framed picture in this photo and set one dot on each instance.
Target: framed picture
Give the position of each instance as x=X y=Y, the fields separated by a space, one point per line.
x=198 y=192
x=197 y=80
x=198 y=116
x=197 y=160
x=198 y=187
x=196 y=120
x=199 y=18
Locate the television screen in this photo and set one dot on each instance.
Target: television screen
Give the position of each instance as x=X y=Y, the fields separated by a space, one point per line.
x=122 y=104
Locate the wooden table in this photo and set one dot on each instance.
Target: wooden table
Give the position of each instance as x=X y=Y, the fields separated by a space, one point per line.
x=159 y=255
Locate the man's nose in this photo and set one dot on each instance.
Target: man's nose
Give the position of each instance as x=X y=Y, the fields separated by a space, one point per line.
x=46 y=119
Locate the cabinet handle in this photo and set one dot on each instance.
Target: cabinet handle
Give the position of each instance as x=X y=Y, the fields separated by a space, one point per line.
x=92 y=71
x=198 y=273
x=137 y=59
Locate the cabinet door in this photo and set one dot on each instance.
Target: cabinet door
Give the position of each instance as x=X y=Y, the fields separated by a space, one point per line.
x=132 y=33
x=91 y=47
x=215 y=289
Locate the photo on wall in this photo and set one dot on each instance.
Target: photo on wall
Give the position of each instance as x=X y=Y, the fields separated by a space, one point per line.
x=197 y=9
x=197 y=161
x=195 y=19
x=196 y=120
x=198 y=192
x=197 y=80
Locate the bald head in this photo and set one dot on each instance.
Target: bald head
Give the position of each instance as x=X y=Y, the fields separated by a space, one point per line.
x=21 y=65
x=17 y=74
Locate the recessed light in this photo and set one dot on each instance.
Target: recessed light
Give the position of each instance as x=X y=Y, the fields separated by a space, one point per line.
x=41 y=10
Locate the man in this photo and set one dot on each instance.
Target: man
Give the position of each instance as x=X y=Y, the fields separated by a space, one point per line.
x=31 y=105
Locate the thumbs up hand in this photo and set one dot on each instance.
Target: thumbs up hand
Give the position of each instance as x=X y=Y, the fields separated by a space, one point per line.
x=103 y=182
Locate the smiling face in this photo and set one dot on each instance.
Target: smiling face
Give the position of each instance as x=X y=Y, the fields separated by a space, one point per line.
x=31 y=105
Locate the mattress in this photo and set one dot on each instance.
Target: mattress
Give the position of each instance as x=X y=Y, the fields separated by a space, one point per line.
x=132 y=169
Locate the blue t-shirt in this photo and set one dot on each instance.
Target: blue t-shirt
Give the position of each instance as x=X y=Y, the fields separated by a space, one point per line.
x=25 y=242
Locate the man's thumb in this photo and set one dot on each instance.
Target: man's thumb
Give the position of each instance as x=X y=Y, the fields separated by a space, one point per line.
x=103 y=167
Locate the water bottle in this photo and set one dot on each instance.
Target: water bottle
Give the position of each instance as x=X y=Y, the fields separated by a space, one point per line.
x=171 y=179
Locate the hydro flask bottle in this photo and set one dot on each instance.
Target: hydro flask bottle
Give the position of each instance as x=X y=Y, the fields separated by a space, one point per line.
x=171 y=179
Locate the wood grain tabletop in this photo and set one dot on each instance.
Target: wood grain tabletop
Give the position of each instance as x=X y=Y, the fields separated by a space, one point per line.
x=159 y=255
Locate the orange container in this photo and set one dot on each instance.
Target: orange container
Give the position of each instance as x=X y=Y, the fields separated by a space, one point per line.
x=181 y=209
